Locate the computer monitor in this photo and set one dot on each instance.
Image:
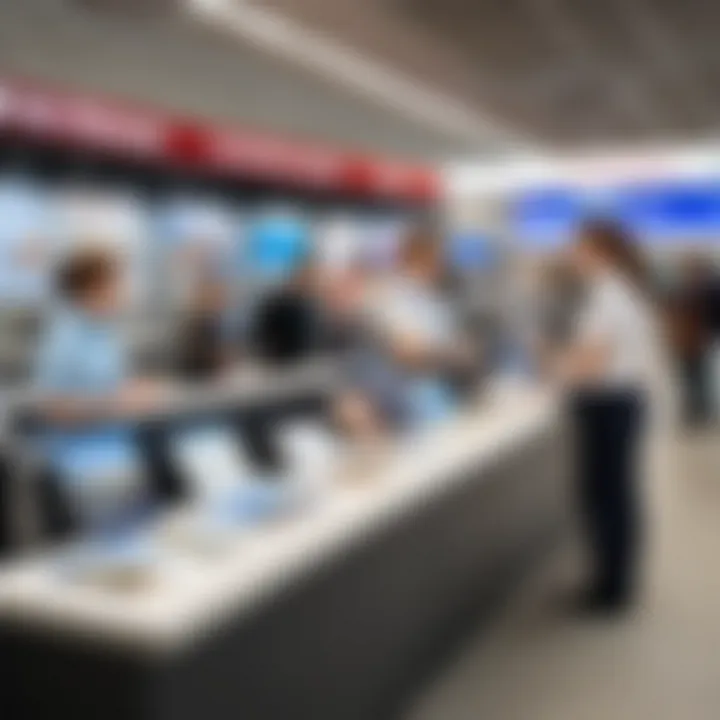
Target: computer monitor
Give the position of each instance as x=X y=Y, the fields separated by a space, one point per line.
x=382 y=238
x=99 y=477
x=543 y=219
x=210 y=458
x=194 y=235
x=277 y=242
x=471 y=252
x=26 y=243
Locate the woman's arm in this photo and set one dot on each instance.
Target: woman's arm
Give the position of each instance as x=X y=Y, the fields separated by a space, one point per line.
x=583 y=362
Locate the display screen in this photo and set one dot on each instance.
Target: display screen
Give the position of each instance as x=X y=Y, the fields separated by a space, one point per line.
x=308 y=449
x=381 y=240
x=211 y=459
x=665 y=212
x=194 y=236
x=102 y=475
x=26 y=242
x=338 y=243
x=545 y=218
x=194 y=221
x=657 y=212
x=278 y=241
x=471 y=252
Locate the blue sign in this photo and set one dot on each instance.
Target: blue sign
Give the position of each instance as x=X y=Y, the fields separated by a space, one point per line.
x=276 y=244
x=656 y=212
x=25 y=242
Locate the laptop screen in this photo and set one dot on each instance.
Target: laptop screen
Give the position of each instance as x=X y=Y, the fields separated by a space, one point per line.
x=102 y=476
x=211 y=459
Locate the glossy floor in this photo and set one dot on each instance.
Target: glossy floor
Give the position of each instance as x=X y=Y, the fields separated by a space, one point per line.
x=662 y=662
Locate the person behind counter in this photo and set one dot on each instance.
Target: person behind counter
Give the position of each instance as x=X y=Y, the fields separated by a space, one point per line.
x=691 y=335
x=206 y=335
x=373 y=399
x=608 y=370
x=82 y=368
x=422 y=329
x=287 y=325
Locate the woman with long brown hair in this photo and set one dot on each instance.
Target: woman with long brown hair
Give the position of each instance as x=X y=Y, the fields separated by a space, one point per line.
x=608 y=370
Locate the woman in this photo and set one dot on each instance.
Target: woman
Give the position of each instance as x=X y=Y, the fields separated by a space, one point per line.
x=609 y=369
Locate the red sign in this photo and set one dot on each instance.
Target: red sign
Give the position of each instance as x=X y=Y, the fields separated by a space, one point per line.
x=81 y=120
x=275 y=158
x=113 y=127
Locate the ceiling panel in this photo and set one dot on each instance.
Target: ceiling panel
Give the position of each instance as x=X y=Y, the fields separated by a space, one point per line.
x=564 y=71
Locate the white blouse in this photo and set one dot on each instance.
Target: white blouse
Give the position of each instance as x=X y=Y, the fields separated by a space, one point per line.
x=619 y=319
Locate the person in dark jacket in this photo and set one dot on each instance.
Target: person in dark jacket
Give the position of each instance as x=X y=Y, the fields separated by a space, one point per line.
x=287 y=326
x=691 y=331
x=205 y=348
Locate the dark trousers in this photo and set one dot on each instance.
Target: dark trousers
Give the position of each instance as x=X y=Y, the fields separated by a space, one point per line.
x=608 y=426
x=697 y=388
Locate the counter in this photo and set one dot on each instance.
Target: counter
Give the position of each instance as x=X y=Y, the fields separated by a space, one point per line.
x=246 y=384
x=333 y=615
x=25 y=513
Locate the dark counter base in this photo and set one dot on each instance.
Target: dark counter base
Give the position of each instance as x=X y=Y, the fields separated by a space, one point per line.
x=350 y=642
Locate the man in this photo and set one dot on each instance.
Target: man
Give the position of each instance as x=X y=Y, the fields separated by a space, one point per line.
x=421 y=332
x=82 y=368
x=206 y=342
x=287 y=326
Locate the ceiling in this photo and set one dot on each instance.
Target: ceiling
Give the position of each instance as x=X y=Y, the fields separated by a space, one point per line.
x=565 y=72
x=552 y=72
x=145 y=50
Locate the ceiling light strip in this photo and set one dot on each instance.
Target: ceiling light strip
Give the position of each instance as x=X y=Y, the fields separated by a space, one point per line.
x=284 y=37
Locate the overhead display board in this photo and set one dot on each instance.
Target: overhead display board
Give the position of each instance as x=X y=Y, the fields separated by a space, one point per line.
x=658 y=212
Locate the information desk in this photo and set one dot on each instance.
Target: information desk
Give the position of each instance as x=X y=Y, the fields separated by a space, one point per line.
x=337 y=614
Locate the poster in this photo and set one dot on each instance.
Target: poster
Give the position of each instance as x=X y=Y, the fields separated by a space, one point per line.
x=382 y=240
x=338 y=243
x=471 y=252
x=195 y=237
x=278 y=242
x=26 y=242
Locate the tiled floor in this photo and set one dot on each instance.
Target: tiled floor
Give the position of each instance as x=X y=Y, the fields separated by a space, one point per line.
x=662 y=663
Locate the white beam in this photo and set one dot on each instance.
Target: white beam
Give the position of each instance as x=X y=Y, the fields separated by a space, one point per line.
x=286 y=38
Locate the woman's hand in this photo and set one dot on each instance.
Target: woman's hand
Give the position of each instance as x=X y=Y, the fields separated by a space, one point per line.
x=582 y=363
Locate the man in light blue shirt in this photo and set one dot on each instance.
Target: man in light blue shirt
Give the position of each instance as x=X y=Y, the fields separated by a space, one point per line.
x=81 y=356
x=82 y=367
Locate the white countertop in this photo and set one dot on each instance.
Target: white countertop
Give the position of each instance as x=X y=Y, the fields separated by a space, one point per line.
x=188 y=599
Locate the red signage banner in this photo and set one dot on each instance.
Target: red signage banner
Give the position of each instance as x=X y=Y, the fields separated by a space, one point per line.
x=72 y=118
